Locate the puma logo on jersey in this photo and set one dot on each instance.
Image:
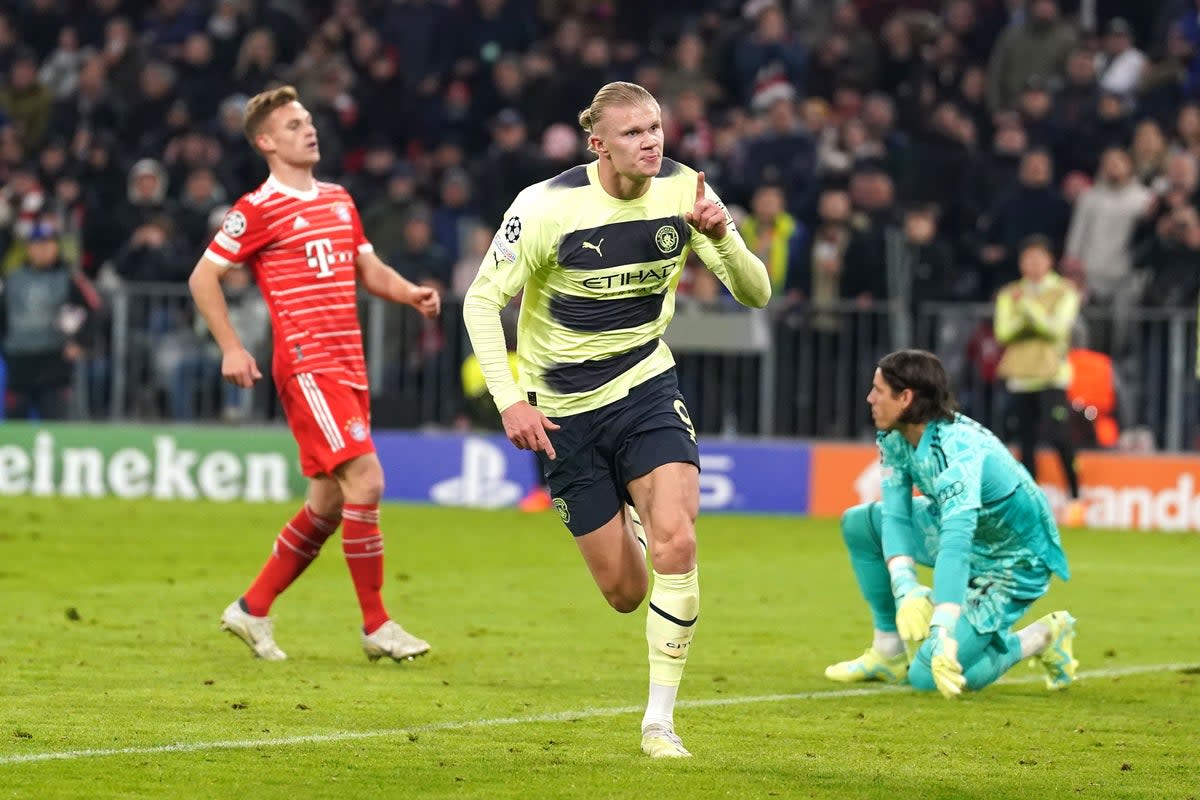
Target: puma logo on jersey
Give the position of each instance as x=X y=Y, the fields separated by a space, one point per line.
x=300 y=222
x=596 y=247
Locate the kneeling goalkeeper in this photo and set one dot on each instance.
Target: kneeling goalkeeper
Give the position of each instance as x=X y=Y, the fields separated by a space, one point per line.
x=982 y=524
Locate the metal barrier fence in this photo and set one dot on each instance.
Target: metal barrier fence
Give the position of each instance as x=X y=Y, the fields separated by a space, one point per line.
x=786 y=372
x=1153 y=354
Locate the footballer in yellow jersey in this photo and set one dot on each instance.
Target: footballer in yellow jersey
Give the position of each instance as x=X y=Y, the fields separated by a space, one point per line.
x=598 y=252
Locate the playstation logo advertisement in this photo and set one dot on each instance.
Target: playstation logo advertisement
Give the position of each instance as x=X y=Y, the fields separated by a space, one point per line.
x=467 y=471
x=483 y=481
x=487 y=471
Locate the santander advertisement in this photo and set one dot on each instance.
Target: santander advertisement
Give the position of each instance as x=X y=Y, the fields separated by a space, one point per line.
x=1141 y=492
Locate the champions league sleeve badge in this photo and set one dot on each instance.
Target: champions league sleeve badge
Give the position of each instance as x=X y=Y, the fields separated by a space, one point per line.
x=234 y=224
x=512 y=230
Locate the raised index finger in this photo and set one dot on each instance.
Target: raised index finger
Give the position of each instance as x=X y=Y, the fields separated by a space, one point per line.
x=699 y=186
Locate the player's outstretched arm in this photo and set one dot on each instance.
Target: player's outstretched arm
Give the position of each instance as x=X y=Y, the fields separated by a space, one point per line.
x=384 y=282
x=237 y=365
x=722 y=250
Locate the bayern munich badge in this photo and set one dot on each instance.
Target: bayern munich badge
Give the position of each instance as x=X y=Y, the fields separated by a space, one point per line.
x=357 y=429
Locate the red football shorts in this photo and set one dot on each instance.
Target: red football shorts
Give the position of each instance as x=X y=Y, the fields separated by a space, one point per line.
x=330 y=421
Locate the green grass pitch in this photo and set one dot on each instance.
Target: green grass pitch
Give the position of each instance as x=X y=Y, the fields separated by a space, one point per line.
x=115 y=681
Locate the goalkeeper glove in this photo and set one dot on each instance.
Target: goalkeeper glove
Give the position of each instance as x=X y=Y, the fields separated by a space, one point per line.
x=947 y=672
x=914 y=608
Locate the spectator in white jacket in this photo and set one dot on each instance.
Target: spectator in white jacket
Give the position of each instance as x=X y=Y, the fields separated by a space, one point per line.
x=1099 y=244
x=1103 y=224
x=1124 y=63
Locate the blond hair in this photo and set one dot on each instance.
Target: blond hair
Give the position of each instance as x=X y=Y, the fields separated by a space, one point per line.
x=617 y=93
x=260 y=107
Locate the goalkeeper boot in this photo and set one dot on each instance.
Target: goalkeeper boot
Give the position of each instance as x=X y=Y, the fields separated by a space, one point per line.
x=1058 y=659
x=394 y=642
x=256 y=632
x=870 y=666
x=661 y=741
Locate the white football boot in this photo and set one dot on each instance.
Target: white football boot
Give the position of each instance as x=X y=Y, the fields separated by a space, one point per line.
x=393 y=641
x=661 y=741
x=254 y=631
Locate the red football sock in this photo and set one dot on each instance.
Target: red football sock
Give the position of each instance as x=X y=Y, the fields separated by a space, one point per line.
x=295 y=548
x=362 y=544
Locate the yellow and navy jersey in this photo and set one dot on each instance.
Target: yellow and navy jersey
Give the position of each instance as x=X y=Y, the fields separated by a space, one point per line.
x=599 y=276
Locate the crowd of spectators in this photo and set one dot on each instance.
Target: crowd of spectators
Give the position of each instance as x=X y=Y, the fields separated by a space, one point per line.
x=875 y=150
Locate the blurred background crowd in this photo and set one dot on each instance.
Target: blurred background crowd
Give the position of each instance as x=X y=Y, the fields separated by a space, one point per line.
x=876 y=151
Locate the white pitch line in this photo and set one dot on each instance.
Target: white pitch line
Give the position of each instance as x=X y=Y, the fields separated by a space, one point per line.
x=556 y=716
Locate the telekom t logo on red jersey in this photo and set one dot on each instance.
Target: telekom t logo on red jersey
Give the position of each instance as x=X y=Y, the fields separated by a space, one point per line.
x=319 y=252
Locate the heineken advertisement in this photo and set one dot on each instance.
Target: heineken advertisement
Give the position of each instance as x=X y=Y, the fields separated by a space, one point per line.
x=161 y=463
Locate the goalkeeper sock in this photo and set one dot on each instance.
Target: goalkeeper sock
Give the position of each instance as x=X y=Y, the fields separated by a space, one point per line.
x=1034 y=639
x=887 y=643
x=860 y=529
x=670 y=626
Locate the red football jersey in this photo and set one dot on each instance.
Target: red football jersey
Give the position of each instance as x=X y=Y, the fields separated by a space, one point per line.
x=302 y=247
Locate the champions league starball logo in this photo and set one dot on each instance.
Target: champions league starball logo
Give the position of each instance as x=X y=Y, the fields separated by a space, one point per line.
x=234 y=224
x=512 y=230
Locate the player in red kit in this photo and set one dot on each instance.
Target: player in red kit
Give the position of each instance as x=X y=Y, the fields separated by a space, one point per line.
x=304 y=242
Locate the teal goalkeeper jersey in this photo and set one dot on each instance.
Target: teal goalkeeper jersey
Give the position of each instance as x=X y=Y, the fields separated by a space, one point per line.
x=599 y=276
x=993 y=520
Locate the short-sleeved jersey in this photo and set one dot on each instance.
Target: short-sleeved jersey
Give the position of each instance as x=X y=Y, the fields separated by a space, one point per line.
x=993 y=519
x=599 y=275
x=303 y=248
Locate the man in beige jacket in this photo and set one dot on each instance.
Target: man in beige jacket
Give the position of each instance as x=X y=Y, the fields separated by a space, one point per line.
x=1034 y=317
